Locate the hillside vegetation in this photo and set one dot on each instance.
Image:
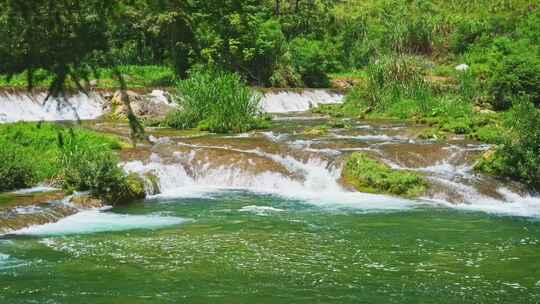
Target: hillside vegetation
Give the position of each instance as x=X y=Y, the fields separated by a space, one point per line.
x=464 y=67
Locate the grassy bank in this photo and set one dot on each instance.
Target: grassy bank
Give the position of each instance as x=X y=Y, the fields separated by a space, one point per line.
x=72 y=158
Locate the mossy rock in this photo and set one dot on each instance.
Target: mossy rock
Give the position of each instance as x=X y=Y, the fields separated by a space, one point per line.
x=491 y=162
x=333 y=110
x=317 y=131
x=432 y=134
x=340 y=124
x=132 y=189
x=457 y=126
x=135 y=186
x=366 y=174
x=153 y=182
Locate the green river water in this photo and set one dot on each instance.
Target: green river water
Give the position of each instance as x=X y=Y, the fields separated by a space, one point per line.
x=221 y=249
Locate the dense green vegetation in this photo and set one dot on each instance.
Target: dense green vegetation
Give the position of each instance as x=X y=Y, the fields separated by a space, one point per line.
x=366 y=174
x=400 y=55
x=70 y=157
x=217 y=102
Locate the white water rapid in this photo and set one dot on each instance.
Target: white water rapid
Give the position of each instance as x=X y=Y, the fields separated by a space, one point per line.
x=33 y=107
x=290 y=101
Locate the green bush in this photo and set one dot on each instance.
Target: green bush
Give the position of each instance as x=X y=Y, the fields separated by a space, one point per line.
x=519 y=155
x=96 y=169
x=369 y=175
x=313 y=60
x=217 y=102
x=514 y=75
x=16 y=169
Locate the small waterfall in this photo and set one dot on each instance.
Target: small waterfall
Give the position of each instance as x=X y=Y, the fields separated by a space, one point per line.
x=314 y=181
x=290 y=101
x=33 y=107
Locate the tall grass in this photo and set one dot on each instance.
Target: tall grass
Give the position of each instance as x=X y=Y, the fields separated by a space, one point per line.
x=216 y=101
x=392 y=80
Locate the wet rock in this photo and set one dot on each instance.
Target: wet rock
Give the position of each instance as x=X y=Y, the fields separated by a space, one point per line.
x=86 y=202
x=317 y=131
x=151 y=183
x=153 y=105
x=133 y=189
x=432 y=134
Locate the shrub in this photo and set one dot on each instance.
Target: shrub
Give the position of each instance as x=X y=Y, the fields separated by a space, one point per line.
x=394 y=79
x=96 y=169
x=313 y=60
x=16 y=169
x=466 y=33
x=519 y=155
x=369 y=175
x=217 y=102
x=515 y=74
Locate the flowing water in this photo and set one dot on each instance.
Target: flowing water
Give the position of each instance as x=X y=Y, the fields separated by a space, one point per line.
x=264 y=217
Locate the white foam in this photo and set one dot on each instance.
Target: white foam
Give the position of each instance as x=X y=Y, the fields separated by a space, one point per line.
x=274 y=136
x=33 y=107
x=381 y=137
x=93 y=221
x=512 y=205
x=7 y=262
x=261 y=210
x=37 y=189
x=287 y=101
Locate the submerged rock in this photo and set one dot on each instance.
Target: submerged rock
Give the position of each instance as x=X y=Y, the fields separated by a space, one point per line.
x=366 y=174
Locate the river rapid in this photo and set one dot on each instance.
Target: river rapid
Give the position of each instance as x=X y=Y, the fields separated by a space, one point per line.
x=264 y=217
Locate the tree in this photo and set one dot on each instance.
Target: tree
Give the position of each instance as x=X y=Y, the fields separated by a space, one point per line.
x=70 y=39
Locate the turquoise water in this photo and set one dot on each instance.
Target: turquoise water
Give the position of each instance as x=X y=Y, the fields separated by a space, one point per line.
x=223 y=249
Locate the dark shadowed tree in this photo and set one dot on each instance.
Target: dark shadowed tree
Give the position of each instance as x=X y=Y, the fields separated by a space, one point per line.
x=70 y=38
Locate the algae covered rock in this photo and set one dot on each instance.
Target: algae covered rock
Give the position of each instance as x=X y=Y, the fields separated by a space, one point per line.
x=366 y=174
x=317 y=131
x=131 y=189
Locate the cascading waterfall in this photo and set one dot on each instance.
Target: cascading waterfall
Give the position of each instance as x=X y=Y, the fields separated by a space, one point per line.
x=33 y=107
x=16 y=106
x=286 y=163
x=315 y=179
x=287 y=101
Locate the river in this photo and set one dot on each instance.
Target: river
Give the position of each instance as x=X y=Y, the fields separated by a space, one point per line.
x=264 y=217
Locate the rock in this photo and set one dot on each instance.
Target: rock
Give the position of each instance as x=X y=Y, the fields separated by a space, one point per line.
x=86 y=201
x=152 y=183
x=154 y=105
x=482 y=110
x=488 y=155
x=462 y=67
x=134 y=188
x=317 y=131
